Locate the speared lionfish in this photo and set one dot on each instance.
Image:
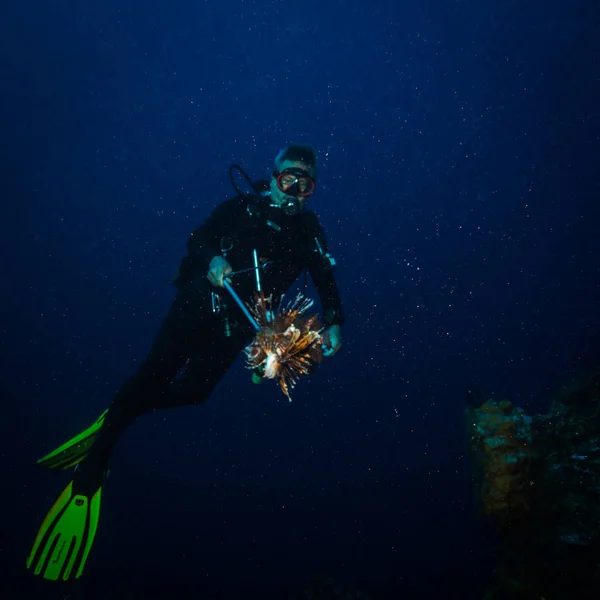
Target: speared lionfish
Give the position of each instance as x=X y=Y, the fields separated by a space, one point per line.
x=287 y=344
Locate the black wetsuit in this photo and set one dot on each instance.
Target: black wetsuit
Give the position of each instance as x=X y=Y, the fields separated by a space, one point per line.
x=191 y=351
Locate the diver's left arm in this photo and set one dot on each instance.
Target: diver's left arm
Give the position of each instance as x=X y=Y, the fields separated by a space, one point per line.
x=320 y=265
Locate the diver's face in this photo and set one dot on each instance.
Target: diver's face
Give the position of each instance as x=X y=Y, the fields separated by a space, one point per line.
x=280 y=197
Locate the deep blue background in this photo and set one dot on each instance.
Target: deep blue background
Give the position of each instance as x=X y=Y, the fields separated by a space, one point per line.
x=459 y=186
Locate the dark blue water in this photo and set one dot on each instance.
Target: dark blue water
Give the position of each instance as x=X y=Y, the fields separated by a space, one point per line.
x=459 y=185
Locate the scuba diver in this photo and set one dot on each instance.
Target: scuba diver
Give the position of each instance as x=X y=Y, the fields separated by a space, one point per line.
x=202 y=334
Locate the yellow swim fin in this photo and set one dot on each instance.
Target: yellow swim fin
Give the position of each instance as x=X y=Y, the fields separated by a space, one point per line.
x=64 y=540
x=75 y=450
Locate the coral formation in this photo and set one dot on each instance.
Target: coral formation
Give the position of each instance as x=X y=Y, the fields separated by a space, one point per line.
x=547 y=469
x=501 y=438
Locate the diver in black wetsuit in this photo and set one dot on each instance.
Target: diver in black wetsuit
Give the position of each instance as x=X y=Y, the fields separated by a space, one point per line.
x=202 y=334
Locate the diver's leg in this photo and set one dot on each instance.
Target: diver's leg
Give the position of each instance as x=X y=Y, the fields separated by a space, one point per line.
x=188 y=322
x=204 y=370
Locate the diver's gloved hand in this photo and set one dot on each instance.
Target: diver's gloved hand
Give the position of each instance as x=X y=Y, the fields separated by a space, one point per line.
x=332 y=340
x=218 y=270
x=258 y=375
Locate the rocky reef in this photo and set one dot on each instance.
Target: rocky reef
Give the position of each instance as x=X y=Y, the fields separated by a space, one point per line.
x=539 y=481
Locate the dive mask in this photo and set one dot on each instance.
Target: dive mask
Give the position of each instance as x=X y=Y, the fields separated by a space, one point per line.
x=295 y=182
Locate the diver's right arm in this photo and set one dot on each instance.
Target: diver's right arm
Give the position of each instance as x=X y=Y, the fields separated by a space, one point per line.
x=204 y=244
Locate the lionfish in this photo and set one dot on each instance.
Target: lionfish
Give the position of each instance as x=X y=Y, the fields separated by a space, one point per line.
x=287 y=344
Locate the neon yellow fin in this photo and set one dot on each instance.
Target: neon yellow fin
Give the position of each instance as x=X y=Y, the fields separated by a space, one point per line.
x=73 y=451
x=64 y=540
